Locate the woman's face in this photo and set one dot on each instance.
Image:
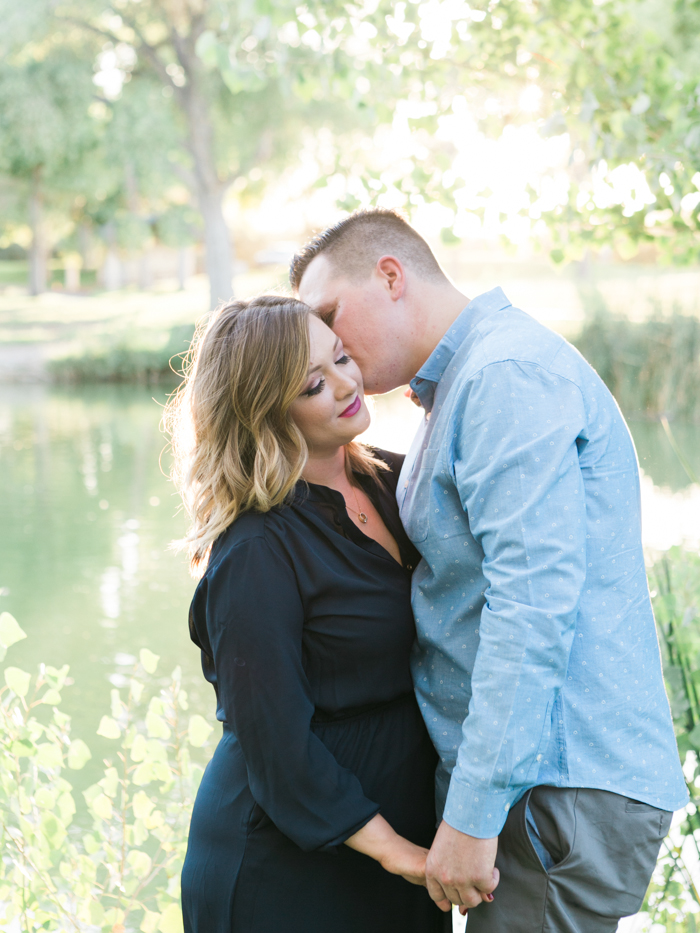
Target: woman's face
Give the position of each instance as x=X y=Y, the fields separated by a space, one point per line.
x=331 y=410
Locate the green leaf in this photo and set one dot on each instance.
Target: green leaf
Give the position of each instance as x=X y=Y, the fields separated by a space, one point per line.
x=10 y=632
x=49 y=755
x=51 y=697
x=23 y=748
x=138 y=749
x=142 y=805
x=198 y=731
x=155 y=722
x=157 y=726
x=97 y=913
x=149 y=661
x=44 y=799
x=66 y=806
x=171 y=920
x=139 y=862
x=78 y=754
x=102 y=807
x=109 y=728
x=91 y=844
x=17 y=680
x=55 y=676
x=136 y=688
x=149 y=924
x=110 y=782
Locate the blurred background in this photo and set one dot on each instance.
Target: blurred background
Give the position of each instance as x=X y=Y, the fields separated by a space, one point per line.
x=158 y=156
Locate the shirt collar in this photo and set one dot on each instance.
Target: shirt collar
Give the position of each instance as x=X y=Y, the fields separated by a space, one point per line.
x=426 y=380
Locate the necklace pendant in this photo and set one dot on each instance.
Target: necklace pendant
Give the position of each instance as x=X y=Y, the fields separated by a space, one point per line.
x=362 y=517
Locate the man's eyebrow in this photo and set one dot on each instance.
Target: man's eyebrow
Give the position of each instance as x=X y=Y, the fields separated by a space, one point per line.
x=327 y=314
x=313 y=369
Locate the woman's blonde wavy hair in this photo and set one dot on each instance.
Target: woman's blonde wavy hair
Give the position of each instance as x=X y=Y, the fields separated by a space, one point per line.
x=234 y=443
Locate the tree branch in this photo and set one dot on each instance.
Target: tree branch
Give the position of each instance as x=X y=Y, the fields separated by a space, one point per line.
x=185 y=176
x=105 y=33
x=150 y=52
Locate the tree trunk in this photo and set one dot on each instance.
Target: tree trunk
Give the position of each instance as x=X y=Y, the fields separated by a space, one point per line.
x=38 y=251
x=210 y=190
x=218 y=248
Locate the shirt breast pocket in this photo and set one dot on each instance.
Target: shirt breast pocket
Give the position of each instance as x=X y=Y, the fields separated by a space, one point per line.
x=415 y=510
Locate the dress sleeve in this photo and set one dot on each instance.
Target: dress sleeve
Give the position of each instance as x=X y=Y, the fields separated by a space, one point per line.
x=255 y=619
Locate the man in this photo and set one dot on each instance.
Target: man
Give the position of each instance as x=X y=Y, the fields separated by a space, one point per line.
x=537 y=665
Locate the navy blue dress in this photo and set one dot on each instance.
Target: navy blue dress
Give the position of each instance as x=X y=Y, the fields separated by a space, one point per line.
x=305 y=628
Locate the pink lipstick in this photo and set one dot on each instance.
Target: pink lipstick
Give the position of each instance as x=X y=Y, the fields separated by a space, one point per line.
x=352 y=409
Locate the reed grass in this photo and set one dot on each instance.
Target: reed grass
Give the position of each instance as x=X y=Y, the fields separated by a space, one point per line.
x=652 y=367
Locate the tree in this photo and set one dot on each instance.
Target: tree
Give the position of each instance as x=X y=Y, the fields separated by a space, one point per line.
x=44 y=132
x=620 y=77
x=238 y=82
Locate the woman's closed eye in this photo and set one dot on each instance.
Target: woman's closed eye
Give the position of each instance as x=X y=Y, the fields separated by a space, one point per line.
x=314 y=390
x=319 y=386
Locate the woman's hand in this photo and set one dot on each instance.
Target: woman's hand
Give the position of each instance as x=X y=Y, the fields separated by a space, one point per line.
x=406 y=859
x=394 y=853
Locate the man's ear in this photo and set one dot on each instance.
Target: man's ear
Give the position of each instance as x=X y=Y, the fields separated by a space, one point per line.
x=391 y=272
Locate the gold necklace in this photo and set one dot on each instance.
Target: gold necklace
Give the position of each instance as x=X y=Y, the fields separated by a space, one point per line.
x=360 y=514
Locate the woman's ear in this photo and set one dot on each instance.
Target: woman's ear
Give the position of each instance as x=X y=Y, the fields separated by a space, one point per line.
x=391 y=272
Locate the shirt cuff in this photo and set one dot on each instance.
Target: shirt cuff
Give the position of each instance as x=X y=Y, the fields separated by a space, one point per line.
x=477 y=812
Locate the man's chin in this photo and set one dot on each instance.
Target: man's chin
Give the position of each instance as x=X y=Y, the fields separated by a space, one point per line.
x=380 y=388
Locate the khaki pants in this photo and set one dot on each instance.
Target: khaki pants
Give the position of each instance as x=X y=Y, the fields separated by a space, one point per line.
x=572 y=860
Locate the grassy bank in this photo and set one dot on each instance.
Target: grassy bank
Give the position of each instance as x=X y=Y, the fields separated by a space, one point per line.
x=621 y=318
x=652 y=366
x=120 y=362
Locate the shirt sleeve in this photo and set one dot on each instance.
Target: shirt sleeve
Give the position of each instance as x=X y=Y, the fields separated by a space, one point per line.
x=517 y=470
x=255 y=619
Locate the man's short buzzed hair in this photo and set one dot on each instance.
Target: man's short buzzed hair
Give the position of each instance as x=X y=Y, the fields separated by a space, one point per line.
x=356 y=243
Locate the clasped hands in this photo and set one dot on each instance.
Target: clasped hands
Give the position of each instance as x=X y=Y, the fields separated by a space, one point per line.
x=457 y=869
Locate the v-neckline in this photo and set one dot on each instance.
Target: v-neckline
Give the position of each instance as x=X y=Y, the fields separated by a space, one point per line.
x=350 y=525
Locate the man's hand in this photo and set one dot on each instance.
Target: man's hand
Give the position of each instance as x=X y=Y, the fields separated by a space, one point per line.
x=460 y=869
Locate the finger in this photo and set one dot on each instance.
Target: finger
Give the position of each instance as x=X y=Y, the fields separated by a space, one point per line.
x=486 y=898
x=467 y=897
x=464 y=911
x=437 y=893
x=488 y=887
x=444 y=905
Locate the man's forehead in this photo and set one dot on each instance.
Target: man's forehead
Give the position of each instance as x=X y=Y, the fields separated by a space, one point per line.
x=319 y=284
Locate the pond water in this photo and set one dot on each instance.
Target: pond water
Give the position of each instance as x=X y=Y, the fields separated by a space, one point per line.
x=87 y=512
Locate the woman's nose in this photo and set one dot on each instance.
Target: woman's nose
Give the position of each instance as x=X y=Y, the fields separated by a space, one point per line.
x=345 y=385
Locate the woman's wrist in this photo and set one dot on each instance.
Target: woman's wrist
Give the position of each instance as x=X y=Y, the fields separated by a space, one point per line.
x=376 y=839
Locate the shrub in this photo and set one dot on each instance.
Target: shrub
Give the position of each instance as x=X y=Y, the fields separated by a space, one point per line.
x=673 y=900
x=121 y=870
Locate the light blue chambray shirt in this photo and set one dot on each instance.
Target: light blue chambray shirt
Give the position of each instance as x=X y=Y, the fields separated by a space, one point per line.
x=537 y=660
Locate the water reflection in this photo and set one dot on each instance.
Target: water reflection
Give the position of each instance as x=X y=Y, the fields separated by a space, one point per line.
x=86 y=516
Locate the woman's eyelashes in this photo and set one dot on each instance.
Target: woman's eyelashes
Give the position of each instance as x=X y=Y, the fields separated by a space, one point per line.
x=314 y=390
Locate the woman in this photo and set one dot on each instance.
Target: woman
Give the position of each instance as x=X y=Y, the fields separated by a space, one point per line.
x=316 y=810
